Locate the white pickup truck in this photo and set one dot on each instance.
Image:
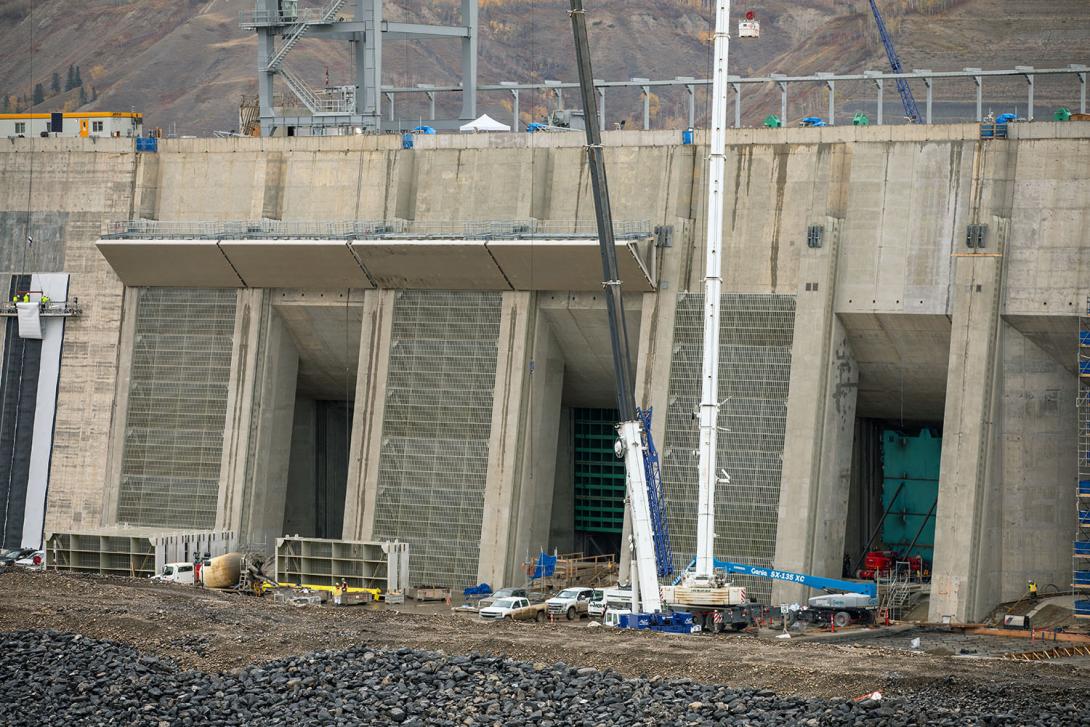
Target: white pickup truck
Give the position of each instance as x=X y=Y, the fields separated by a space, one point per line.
x=513 y=609
x=571 y=602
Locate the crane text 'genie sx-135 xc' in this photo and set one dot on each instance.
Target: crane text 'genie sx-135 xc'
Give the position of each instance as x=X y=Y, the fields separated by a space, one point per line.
x=702 y=598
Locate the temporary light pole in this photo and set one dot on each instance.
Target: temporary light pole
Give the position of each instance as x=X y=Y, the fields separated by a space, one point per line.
x=713 y=261
x=630 y=445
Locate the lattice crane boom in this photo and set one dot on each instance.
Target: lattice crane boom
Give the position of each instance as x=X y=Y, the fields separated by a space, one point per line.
x=907 y=99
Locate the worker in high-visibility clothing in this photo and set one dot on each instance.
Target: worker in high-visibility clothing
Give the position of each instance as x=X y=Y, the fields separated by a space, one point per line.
x=26 y=297
x=43 y=301
x=1033 y=590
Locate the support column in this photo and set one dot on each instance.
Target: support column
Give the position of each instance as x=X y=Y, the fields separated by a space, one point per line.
x=369 y=63
x=370 y=408
x=266 y=48
x=963 y=585
x=260 y=416
x=115 y=452
x=540 y=441
x=504 y=485
x=820 y=427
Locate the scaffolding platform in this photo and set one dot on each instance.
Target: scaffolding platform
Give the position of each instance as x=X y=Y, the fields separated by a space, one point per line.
x=62 y=309
x=1081 y=576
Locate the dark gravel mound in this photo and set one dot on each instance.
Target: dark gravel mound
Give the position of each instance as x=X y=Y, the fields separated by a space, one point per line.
x=65 y=679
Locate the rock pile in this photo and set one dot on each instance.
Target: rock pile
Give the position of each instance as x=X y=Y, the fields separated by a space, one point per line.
x=53 y=678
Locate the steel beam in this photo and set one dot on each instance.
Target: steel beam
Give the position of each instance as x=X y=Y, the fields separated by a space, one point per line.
x=737 y=104
x=469 y=61
x=417 y=30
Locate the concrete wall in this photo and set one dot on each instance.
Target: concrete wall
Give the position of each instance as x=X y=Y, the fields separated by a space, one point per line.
x=889 y=295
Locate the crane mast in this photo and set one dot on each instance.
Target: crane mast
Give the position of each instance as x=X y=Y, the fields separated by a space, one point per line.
x=713 y=262
x=907 y=99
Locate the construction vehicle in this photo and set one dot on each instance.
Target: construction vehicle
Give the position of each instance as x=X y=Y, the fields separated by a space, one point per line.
x=703 y=591
x=651 y=557
x=514 y=609
x=175 y=573
x=572 y=603
x=845 y=601
x=702 y=598
x=700 y=592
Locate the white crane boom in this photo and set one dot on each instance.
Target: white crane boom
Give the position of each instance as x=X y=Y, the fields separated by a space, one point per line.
x=709 y=395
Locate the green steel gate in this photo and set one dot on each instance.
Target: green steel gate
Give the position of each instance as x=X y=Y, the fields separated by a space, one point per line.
x=599 y=474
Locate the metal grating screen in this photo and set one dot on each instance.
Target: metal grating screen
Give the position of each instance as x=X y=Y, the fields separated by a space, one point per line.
x=599 y=474
x=177 y=407
x=436 y=426
x=754 y=372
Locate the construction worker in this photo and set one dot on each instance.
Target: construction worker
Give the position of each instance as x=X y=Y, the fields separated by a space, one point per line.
x=26 y=297
x=44 y=300
x=1033 y=590
x=15 y=298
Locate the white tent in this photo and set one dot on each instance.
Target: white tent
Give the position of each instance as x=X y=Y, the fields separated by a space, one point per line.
x=485 y=123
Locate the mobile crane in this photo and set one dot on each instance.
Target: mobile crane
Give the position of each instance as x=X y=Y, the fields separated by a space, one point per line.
x=651 y=557
x=703 y=591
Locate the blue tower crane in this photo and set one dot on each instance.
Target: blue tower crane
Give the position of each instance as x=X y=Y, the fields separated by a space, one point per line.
x=909 y=102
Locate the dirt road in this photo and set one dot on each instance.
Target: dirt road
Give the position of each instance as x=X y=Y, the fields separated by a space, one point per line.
x=214 y=631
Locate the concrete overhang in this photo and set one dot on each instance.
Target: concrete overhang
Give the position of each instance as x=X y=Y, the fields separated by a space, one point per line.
x=438 y=264
x=169 y=263
x=309 y=264
x=569 y=264
x=559 y=264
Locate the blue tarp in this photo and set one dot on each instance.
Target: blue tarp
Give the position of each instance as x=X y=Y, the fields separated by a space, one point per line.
x=481 y=589
x=546 y=565
x=424 y=130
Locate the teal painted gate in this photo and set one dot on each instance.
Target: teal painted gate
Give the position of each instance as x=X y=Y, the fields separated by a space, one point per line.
x=910 y=490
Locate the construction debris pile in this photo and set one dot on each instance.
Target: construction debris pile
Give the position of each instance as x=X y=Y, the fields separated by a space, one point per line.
x=69 y=679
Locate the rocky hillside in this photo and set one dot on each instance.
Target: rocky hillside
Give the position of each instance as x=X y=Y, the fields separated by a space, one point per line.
x=186 y=63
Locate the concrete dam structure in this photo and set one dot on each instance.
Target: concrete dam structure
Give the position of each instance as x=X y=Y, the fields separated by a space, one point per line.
x=337 y=337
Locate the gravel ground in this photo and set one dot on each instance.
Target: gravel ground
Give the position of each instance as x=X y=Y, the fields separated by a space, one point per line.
x=227 y=636
x=71 y=679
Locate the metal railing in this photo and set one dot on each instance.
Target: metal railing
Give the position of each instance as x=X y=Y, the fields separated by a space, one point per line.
x=783 y=82
x=251 y=19
x=142 y=229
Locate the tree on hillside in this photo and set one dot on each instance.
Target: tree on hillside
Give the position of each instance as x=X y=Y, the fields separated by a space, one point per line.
x=82 y=96
x=55 y=83
x=79 y=81
x=94 y=94
x=39 y=94
x=70 y=82
x=5 y=105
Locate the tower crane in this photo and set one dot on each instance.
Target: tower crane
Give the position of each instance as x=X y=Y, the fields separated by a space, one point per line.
x=907 y=99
